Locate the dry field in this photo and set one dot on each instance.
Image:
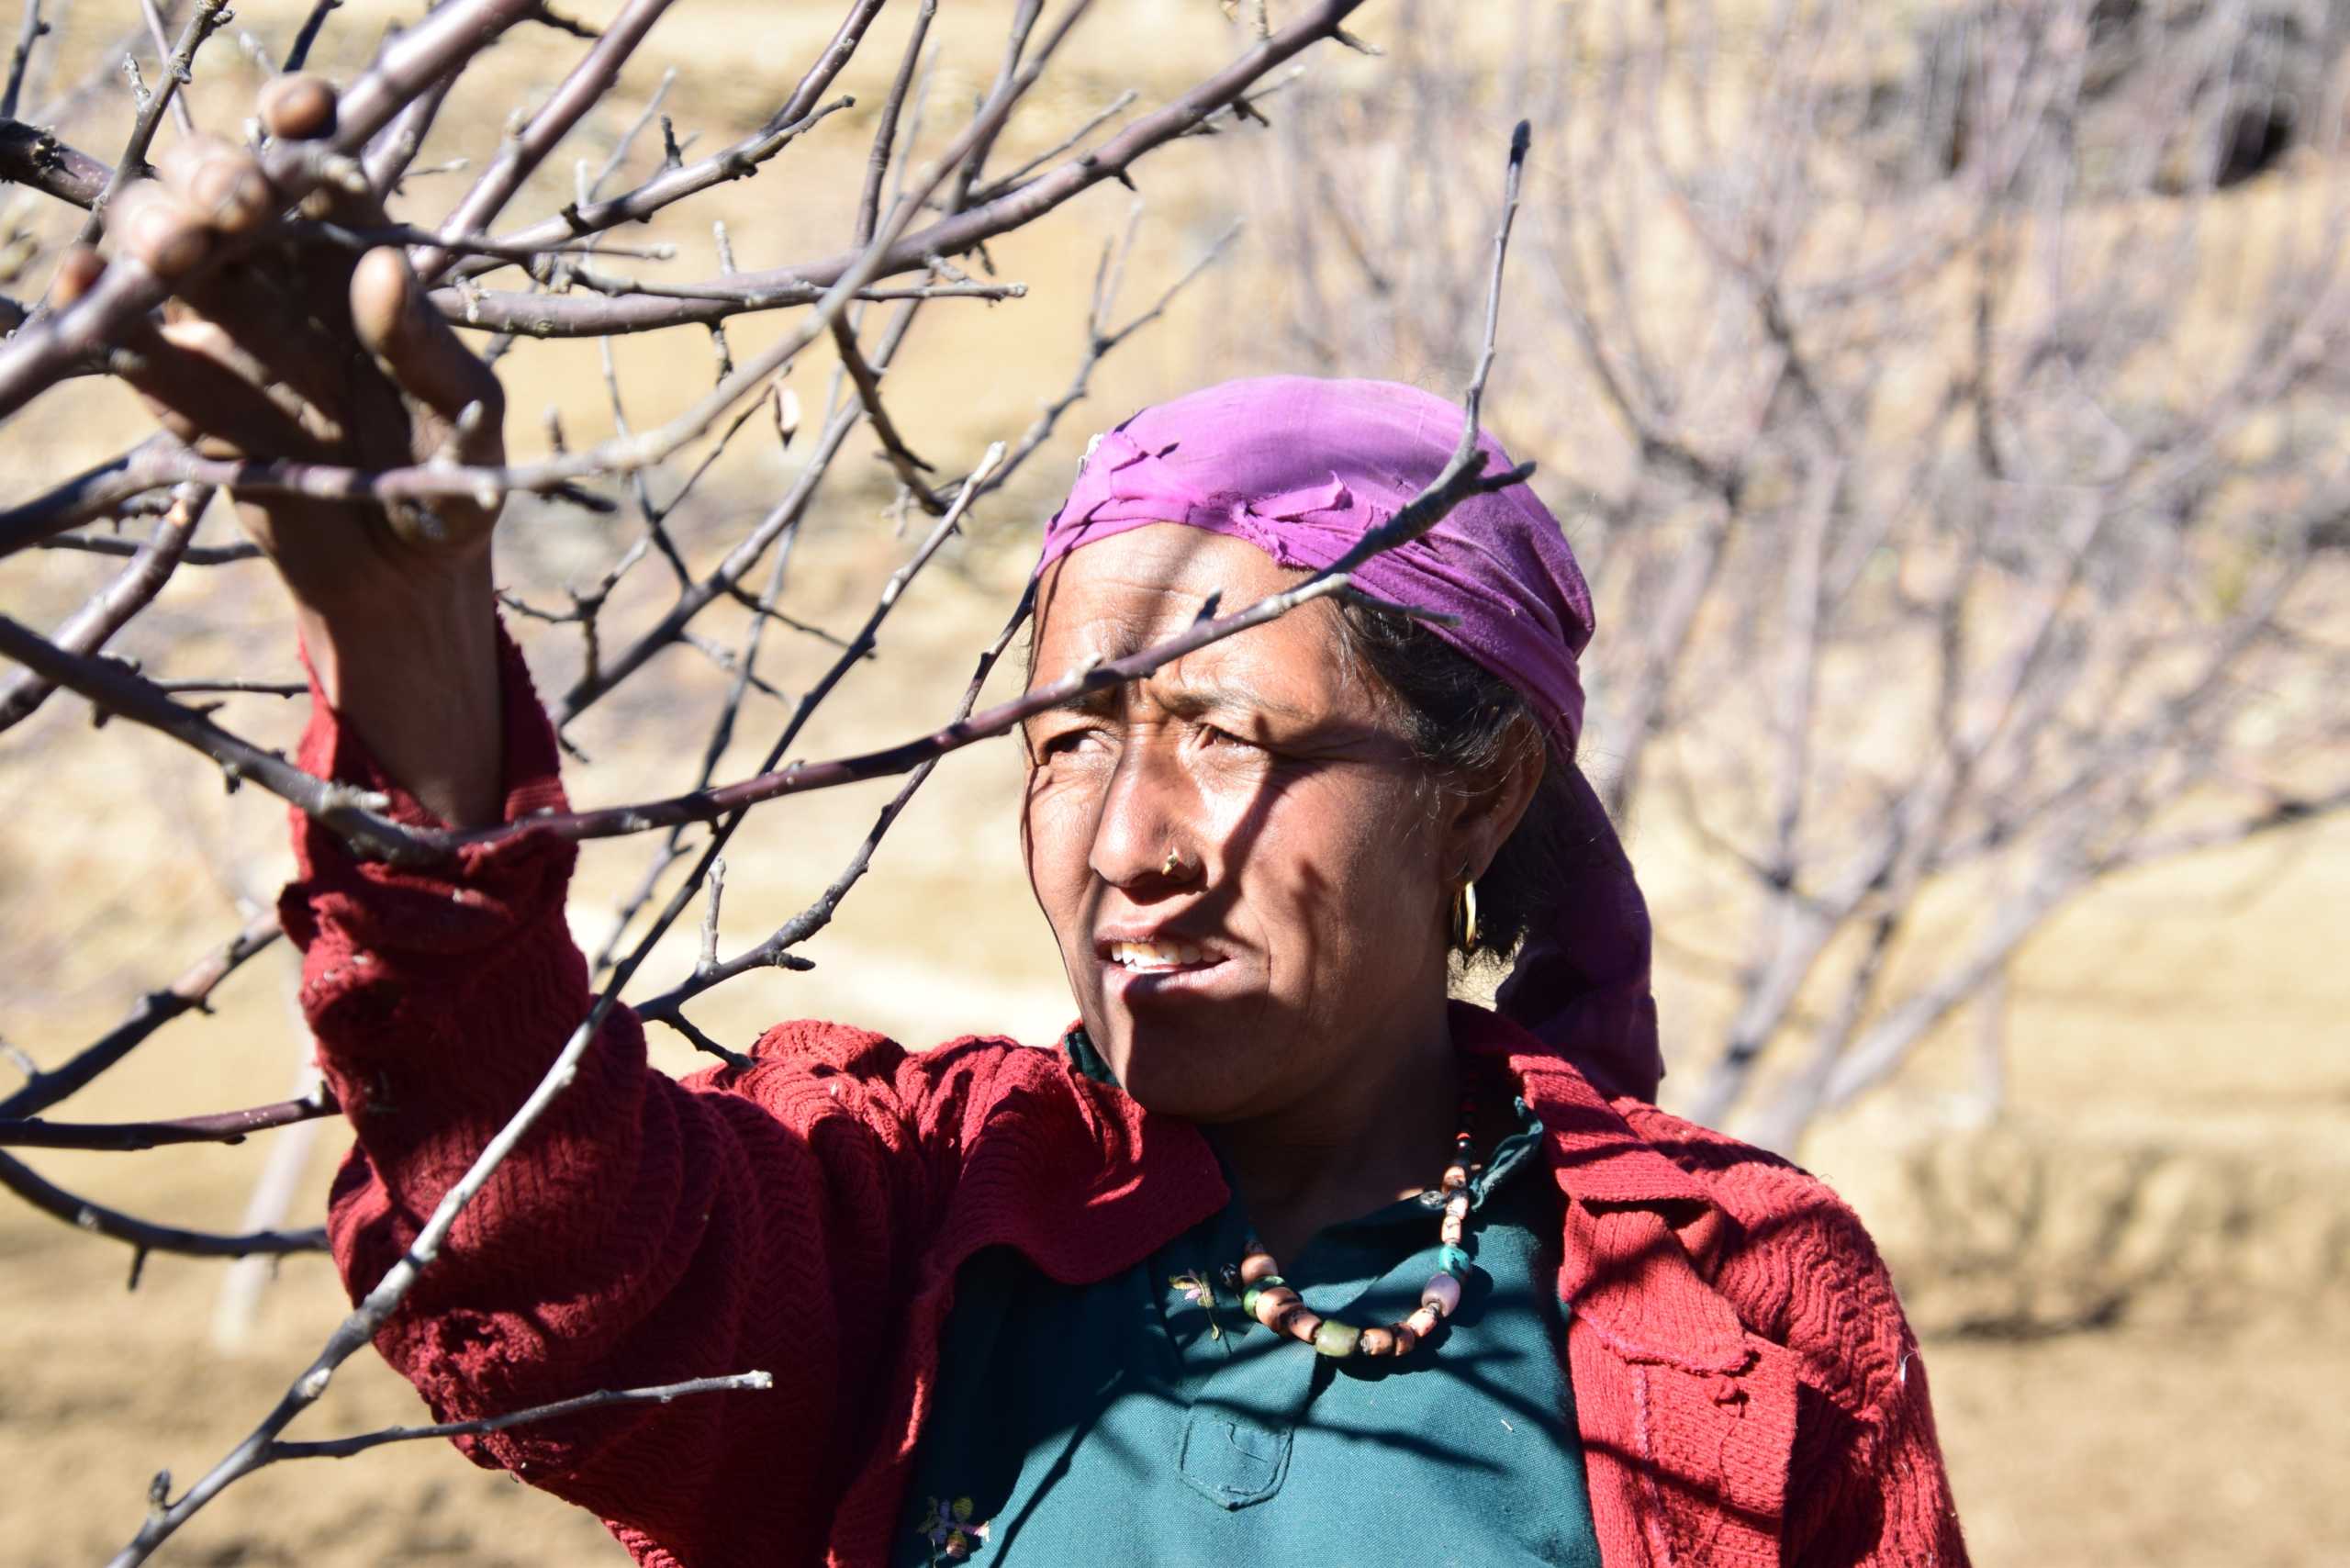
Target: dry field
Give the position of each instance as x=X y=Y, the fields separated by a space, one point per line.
x=2133 y=1274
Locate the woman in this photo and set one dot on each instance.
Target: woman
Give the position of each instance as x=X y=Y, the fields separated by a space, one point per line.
x=1281 y=1255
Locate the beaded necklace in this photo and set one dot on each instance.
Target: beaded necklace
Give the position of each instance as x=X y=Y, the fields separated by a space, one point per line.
x=1271 y=1301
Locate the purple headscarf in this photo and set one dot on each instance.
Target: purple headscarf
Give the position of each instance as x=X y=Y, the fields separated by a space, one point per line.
x=1301 y=468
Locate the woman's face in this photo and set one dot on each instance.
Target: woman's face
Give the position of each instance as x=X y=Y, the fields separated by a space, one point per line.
x=1298 y=933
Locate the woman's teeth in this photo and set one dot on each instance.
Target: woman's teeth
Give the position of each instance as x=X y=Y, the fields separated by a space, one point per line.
x=1155 y=955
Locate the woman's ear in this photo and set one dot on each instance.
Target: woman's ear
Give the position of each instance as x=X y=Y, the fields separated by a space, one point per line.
x=1482 y=812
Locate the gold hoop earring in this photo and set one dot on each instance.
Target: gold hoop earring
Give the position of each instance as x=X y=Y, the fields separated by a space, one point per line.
x=1465 y=934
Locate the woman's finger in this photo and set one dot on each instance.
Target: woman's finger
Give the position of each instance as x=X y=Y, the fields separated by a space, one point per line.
x=398 y=324
x=77 y=270
x=250 y=296
x=299 y=108
x=207 y=392
x=191 y=374
x=307 y=354
x=220 y=182
x=149 y=221
x=302 y=108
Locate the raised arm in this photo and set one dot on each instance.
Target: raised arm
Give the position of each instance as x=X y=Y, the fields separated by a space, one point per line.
x=646 y=1232
x=321 y=355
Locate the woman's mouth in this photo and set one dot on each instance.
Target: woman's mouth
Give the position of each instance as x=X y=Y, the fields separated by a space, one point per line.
x=1164 y=965
x=1159 y=956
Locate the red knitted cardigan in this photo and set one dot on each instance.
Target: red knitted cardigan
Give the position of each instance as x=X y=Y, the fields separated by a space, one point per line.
x=1746 y=1388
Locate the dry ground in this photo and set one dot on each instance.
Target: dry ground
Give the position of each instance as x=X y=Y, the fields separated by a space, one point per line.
x=2134 y=1280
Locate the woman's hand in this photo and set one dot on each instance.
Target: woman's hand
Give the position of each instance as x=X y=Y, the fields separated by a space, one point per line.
x=314 y=354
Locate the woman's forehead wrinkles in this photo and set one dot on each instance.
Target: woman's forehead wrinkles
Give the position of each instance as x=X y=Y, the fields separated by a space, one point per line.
x=1121 y=629
x=1221 y=678
x=1115 y=625
x=1134 y=592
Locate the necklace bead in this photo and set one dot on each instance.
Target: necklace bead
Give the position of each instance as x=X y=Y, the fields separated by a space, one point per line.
x=1336 y=1339
x=1272 y=1302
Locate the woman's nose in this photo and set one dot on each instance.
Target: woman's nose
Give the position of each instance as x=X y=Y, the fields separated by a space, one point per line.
x=1148 y=829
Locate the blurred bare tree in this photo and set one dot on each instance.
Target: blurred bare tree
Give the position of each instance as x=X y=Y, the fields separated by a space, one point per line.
x=1947 y=402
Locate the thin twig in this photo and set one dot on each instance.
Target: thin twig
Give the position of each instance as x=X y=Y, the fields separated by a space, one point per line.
x=521 y=153
x=26 y=36
x=299 y=54
x=219 y=1126
x=776 y=951
x=392 y=151
x=471 y=244
x=180 y=112
x=208 y=16
x=910 y=467
x=669 y=185
x=779 y=521
x=191 y=992
x=112 y=607
x=343 y=1448
x=33 y=157
x=194 y=556
x=1006 y=183
x=238 y=687
x=354 y=814
x=630 y=304
x=868 y=206
x=1100 y=340
x=146 y=1235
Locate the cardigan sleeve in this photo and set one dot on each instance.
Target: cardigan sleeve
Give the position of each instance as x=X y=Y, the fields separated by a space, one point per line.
x=647 y=1230
x=1867 y=1487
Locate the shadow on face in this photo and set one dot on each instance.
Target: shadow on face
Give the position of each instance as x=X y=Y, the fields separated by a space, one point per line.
x=1240 y=856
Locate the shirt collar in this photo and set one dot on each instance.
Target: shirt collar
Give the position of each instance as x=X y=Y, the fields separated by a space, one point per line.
x=1598 y=1156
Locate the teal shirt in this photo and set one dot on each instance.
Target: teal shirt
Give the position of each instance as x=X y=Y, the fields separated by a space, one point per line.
x=1144 y=1420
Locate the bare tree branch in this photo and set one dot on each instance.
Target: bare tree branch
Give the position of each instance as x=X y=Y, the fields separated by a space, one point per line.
x=190 y=992
x=36 y=158
x=354 y=814
x=343 y=1448
x=28 y=36
x=219 y=1127
x=43 y=352
x=145 y=1235
x=206 y=18
x=298 y=55
x=113 y=606
x=577 y=92
x=670 y=186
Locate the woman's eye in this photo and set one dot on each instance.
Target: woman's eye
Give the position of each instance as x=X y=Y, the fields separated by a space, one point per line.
x=1064 y=742
x=1220 y=737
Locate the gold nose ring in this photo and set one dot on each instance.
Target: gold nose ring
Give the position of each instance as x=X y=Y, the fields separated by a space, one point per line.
x=1173 y=865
